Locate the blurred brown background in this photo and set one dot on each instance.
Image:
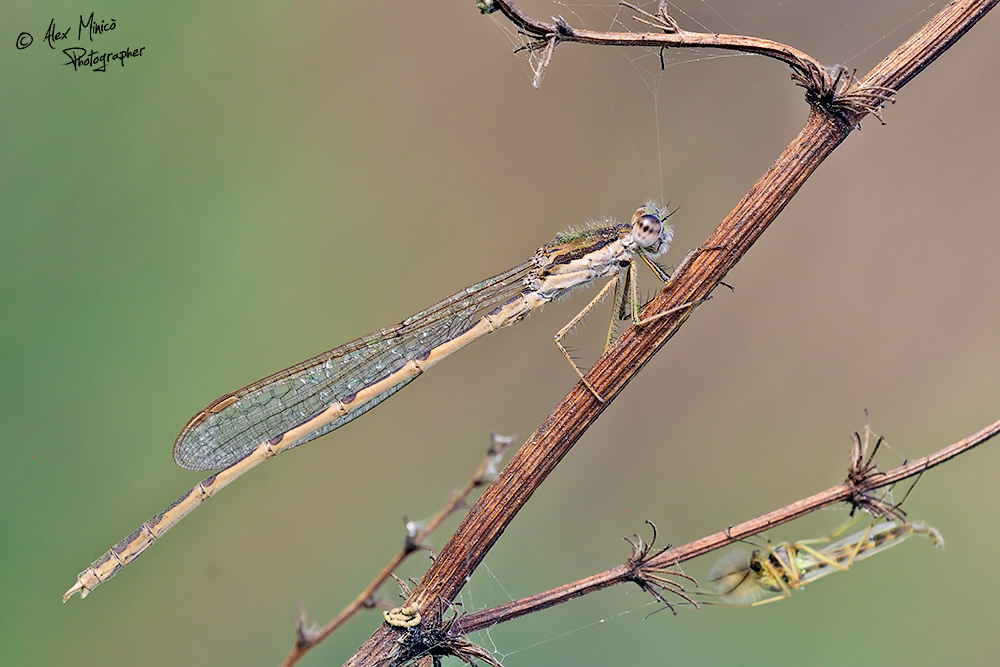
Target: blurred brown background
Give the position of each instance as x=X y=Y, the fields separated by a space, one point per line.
x=270 y=180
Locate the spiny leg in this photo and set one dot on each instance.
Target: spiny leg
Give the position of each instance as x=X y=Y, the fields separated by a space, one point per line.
x=857 y=548
x=778 y=574
x=576 y=320
x=887 y=535
x=662 y=274
x=621 y=305
x=825 y=559
x=630 y=291
x=794 y=579
x=785 y=594
x=670 y=311
x=840 y=530
x=626 y=302
x=634 y=300
x=634 y=296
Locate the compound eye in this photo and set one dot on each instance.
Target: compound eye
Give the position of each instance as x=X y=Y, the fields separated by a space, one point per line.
x=646 y=230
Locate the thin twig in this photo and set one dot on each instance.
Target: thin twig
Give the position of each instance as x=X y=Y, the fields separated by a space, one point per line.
x=694 y=280
x=826 y=86
x=416 y=539
x=840 y=493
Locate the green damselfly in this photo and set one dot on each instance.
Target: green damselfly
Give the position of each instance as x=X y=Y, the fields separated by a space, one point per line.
x=767 y=575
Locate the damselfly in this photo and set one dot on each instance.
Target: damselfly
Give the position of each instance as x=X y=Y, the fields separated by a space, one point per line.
x=771 y=574
x=241 y=429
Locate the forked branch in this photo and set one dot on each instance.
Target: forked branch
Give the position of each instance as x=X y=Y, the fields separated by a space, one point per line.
x=649 y=568
x=830 y=87
x=695 y=279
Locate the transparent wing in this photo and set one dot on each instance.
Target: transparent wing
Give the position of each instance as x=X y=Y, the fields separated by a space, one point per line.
x=235 y=424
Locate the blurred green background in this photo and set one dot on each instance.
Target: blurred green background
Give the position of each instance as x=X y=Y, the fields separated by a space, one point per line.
x=270 y=180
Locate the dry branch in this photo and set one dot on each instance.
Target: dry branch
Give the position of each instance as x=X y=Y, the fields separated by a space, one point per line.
x=700 y=273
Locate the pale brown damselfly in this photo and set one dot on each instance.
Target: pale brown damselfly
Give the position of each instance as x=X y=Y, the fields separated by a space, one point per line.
x=241 y=429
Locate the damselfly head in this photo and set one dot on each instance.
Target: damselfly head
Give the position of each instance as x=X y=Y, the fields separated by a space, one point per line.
x=736 y=577
x=650 y=231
